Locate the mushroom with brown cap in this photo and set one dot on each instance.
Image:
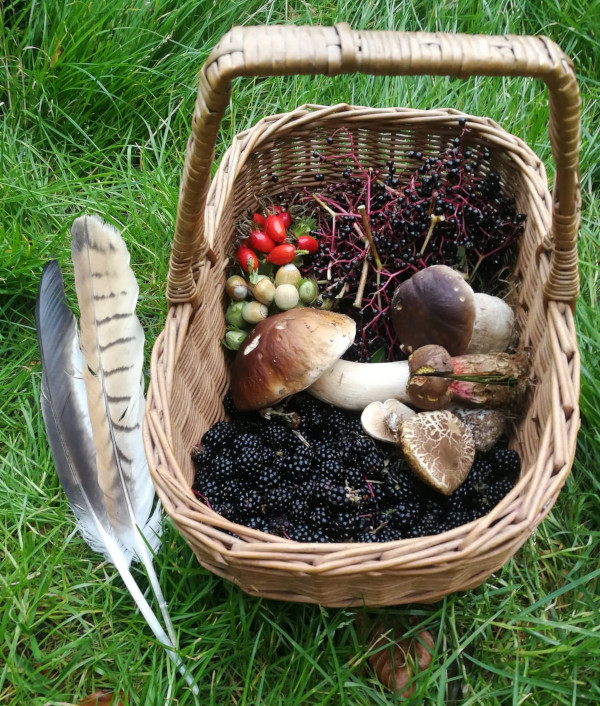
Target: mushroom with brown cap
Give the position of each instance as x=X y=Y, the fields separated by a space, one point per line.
x=437 y=306
x=286 y=353
x=430 y=379
x=438 y=448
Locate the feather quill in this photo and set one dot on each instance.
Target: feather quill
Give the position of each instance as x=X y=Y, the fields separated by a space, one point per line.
x=69 y=427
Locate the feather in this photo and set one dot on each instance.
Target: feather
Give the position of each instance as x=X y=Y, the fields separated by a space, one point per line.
x=69 y=428
x=112 y=343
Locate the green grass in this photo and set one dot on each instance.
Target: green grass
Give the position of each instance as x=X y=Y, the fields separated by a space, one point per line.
x=95 y=106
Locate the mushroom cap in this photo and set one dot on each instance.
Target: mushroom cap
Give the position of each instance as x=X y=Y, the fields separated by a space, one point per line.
x=427 y=387
x=439 y=448
x=486 y=425
x=436 y=306
x=382 y=420
x=286 y=353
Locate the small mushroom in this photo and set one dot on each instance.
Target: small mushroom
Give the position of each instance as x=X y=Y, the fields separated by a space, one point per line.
x=439 y=449
x=382 y=420
x=494 y=329
x=486 y=425
x=287 y=352
x=436 y=306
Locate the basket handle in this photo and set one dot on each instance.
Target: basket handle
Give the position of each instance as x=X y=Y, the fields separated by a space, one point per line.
x=287 y=50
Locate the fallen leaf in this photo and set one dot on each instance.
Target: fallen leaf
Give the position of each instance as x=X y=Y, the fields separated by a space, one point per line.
x=395 y=663
x=103 y=697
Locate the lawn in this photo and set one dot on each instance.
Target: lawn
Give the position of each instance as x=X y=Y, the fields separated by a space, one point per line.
x=95 y=107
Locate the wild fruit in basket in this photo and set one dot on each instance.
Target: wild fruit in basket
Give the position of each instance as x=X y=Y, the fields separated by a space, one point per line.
x=377 y=228
x=321 y=479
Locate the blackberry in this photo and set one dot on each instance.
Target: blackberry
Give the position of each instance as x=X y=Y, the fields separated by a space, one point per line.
x=403 y=515
x=320 y=517
x=279 y=498
x=258 y=522
x=251 y=461
x=224 y=466
x=279 y=526
x=244 y=444
x=324 y=453
x=276 y=435
x=217 y=437
x=212 y=490
x=264 y=478
x=225 y=508
x=333 y=471
x=497 y=491
x=301 y=532
x=296 y=465
x=297 y=508
x=506 y=462
x=344 y=525
x=312 y=417
x=249 y=503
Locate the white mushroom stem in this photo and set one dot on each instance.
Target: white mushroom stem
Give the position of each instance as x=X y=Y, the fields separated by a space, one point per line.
x=494 y=325
x=352 y=385
x=480 y=379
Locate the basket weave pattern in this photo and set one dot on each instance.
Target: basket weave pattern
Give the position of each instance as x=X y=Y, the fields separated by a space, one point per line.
x=189 y=369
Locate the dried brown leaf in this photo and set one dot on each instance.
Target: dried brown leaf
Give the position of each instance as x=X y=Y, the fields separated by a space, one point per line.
x=103 y=697
x=396 y=662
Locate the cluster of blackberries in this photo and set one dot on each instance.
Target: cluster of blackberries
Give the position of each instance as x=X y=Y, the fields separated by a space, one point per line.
x=311 y=474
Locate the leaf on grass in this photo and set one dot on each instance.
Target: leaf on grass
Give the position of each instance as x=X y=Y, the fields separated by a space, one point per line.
x=396 y=663
x=103 y=697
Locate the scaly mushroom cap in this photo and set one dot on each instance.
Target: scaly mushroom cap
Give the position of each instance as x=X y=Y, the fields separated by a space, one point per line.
x=435 y=306
x=439 y=449
x=286 y=353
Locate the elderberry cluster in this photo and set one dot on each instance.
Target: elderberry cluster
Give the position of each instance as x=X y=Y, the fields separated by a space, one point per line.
x=326 y=481
x=447 y=208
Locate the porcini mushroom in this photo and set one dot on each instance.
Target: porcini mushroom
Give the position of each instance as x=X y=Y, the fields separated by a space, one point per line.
x=437 y=306
x=438 y=448
x=287 y=352
x=494 y=379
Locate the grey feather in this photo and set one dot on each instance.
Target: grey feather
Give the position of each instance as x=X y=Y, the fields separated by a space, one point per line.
x=71 y=435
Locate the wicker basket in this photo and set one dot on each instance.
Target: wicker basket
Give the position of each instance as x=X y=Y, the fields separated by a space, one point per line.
x=189 y=370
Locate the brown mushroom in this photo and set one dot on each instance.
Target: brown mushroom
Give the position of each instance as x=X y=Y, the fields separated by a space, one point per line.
x=436 y=306
x=439 y=449
x=486 y=425
x=495 y=379
x=286 y=353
